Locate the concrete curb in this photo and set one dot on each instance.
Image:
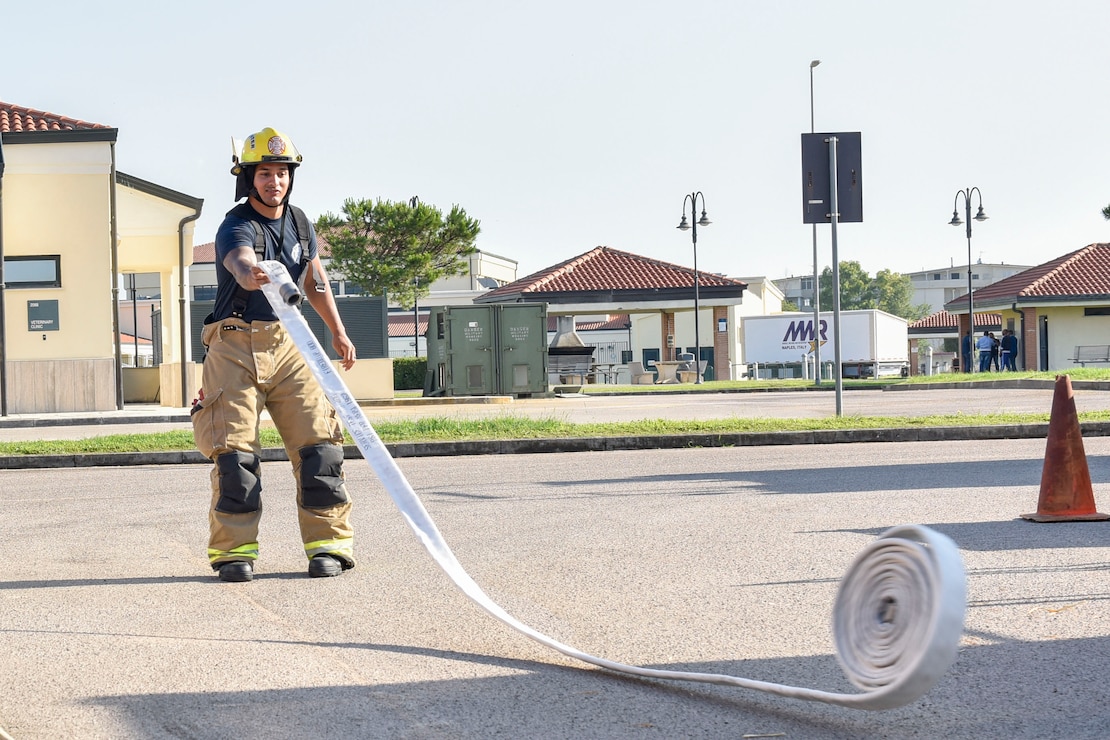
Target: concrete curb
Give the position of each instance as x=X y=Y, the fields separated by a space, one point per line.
x=31 y=422
x=1020 y=383
x=582 y=444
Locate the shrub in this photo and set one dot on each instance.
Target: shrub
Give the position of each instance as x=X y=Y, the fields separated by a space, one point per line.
x=408 y=373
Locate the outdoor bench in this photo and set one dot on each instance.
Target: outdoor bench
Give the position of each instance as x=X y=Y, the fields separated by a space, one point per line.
x=1091 y=353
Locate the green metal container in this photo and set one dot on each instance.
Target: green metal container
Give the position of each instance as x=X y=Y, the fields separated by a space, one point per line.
x=494 y=349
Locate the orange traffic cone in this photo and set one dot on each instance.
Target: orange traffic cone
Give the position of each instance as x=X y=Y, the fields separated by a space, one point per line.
x=1066 y=494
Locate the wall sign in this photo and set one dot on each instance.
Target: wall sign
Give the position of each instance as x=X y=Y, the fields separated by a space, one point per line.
x=42 y=316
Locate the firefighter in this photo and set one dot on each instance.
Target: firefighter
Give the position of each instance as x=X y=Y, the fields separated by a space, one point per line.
x=251 y=364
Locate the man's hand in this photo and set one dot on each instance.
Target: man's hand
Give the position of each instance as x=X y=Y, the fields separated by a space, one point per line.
x=243 y=266
x=345 y=348
x=257 y=279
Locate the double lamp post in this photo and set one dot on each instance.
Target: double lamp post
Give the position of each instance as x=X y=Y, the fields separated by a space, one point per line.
x=979 y=216
x=684 y=225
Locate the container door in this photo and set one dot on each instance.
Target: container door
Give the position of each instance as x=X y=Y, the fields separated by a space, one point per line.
x=470 y=356
x=522 y=348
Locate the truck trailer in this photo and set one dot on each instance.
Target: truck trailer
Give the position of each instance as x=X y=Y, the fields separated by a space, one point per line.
x=873 y=344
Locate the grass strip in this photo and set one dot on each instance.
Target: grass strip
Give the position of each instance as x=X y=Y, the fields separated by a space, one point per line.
x=509 y=426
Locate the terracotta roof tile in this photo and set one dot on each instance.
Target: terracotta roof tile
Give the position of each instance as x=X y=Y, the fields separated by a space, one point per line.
x=1084 y=273
x=400 y=324
x=17 y=119
x=604 y=268
x=946 y=320
x=614 y=321
x=204 y=253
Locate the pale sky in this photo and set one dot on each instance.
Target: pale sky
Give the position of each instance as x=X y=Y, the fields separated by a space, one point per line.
x=564 y=126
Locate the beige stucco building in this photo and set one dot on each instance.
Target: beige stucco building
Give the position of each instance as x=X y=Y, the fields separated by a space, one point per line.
x=71 y=227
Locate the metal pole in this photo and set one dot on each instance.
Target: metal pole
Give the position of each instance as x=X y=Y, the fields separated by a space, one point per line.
x=414 y=201
x=980 y=216
x=816 y=288
x=834 y=206
x=3 y=337
x=134 y=321
x=970 y=300
x=697 y=335
x=683 y=226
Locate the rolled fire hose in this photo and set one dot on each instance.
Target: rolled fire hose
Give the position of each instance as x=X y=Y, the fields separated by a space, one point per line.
x=898 y=615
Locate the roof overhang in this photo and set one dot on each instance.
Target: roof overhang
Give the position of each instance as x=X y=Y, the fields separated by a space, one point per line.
x=644 y=299
x=1008 y=303
x=943 y=332
x=79 y=136
x=159 y=191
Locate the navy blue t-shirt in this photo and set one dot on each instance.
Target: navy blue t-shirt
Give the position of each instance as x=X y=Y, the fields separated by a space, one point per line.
x=238 y=232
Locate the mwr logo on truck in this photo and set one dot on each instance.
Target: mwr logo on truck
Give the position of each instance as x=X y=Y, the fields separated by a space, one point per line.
x=799 y=335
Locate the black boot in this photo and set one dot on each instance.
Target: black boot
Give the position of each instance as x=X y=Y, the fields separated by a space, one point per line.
x=324 y=566
x=236 y=571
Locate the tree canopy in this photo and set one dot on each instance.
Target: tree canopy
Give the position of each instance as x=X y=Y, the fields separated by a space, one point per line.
x=887 y=291
x=398 y=249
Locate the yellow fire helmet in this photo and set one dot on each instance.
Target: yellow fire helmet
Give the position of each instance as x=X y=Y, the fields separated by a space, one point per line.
x=268 y=145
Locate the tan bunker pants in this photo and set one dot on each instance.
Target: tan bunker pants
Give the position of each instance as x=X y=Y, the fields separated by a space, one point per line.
x=248 y=368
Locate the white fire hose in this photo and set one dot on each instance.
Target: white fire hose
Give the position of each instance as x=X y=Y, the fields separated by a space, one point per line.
x=899 y=612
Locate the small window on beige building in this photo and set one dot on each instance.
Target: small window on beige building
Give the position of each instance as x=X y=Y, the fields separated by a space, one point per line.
x=43 y=271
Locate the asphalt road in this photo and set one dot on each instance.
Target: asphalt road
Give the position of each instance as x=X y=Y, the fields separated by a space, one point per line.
x=719 y=560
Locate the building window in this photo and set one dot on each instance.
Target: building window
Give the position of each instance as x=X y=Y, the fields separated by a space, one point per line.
x=352 y=288
x=936 y=276
x=1096 y=311
x=43 y=271
x=204 y=292
x=807 y=284
x=954 y=276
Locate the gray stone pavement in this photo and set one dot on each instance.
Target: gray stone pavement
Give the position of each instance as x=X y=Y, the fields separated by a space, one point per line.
x=720 y=560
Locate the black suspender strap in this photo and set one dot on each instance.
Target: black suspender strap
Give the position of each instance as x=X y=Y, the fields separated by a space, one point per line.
x=300 y=222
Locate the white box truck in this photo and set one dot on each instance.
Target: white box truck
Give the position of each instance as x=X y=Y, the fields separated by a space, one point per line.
x=873 y=343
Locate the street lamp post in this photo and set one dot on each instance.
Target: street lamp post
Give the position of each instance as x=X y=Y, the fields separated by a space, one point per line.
x=979 y=216
x=816 y=289
x=685 y=226
x=415 y=318
x=413 y=202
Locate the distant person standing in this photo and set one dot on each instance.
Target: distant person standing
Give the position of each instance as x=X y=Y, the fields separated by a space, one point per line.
x=994 y=351
x=1009 y=350
x=985 y=345
x=967 y=352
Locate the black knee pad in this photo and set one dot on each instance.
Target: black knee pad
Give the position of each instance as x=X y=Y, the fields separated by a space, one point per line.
x=322 y=476
x=240 y=486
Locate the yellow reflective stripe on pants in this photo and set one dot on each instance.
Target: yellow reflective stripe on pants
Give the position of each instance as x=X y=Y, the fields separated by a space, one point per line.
x=343 y=548
x=249 y=551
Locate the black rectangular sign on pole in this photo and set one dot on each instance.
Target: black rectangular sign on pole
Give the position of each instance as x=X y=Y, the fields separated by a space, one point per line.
x=816 y=200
